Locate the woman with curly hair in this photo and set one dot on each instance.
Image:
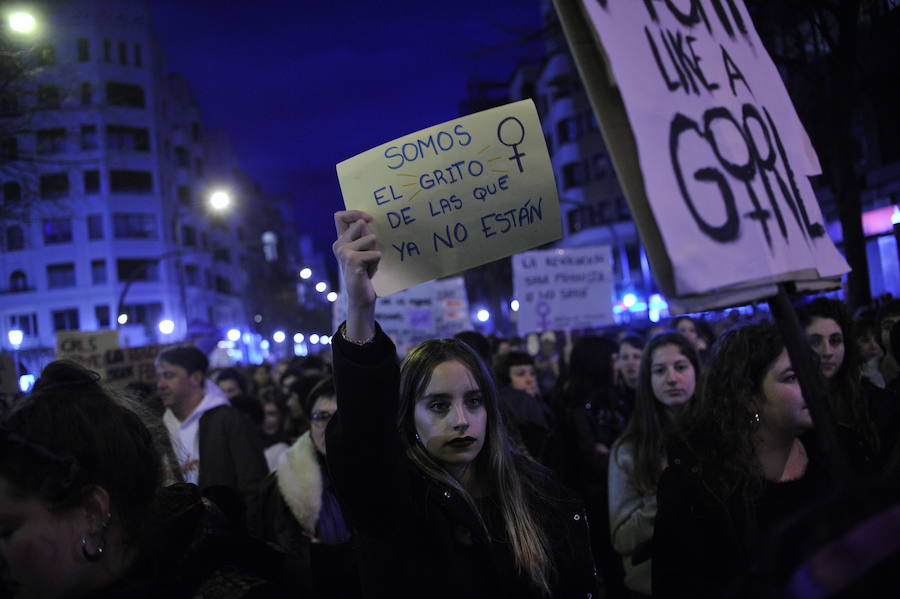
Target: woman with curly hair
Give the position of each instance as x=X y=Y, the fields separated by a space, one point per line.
x=667 y=381
x=740 y=464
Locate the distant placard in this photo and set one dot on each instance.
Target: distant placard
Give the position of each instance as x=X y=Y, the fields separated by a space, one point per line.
x=456 y=195
x=9 y=378
x=687 y=93
x=88 y=348
x=563 y=289
x=434 y=309
x=131 y=364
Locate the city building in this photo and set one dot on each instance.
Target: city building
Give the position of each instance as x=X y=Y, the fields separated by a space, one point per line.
x=109 y=214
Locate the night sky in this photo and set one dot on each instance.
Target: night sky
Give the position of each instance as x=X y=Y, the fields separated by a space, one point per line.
x=300 y=86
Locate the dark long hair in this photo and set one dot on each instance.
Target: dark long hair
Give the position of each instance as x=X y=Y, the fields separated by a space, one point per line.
x=72 y=434
x=720 y=425
x=845 y=397
x=497 y=464
x=652 y=421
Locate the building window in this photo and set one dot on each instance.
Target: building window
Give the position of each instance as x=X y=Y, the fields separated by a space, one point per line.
x=84 y=50
x=574 y=174
x=15 y=238
x=12 y=192
x=188 y=236
x=27 y=323
x=61 y=275
x=184 y=194
x=223 y=285
x=192 y=275
x=18 y=282
x=195 y=131
x=48 y=96
x=92 y=181
x=87 y=94
x=143 y=313
x=210 y=281
x=51 y=141
x=137 y=269
x=54 y=186
x=567 y=130
x=9 y=103
x=130 y=181
x=125 y=94
x=65 y=320
x=101 y=314
x=182 y=158
x=46 y=56
x=600 y=166
x=9 y=148
x=138 y=56
x=204 y=240
x=107 y=50
x=57 y=230
x=123 y=53
x=89 y=137
x=121 y=137
x=134 y=226
x=198 y=166
x=95 y=226
x=98 y=272
x=222 y=255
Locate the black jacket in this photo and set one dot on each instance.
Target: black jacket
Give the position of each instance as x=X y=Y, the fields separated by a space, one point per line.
x=416 y=537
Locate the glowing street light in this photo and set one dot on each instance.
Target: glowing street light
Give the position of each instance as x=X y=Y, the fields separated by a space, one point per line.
x=314 y=338
x=233 y=335
x=629 y=300
x=514 y=305
x=22 y=22
x=220 y=200
x=278 y=336
x=122 y=319
x=298 y=337
x=321 y=286
x=483 y=315
x=332 y=296
x=15 y=337
x=325 y=340
x=305 y=273
x=166 y=327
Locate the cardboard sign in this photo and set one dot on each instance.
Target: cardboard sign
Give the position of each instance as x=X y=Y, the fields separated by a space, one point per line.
x=132 y=364
x=456 y=195
x=435 y=309
x=563 y=289
x=708 y=147
x=88 y=348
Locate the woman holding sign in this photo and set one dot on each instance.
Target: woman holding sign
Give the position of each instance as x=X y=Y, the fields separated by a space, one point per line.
x=442 y=503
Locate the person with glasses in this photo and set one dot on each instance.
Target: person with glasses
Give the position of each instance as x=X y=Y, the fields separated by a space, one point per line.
x=301 y=514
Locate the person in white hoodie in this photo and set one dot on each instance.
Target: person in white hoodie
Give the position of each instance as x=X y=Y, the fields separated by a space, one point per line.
x=217 y=446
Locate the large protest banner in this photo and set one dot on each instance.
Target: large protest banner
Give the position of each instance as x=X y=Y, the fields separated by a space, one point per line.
x=433 y=309
x=88 y=348
x=563 y=289
x=456 y=195
x=707 y=145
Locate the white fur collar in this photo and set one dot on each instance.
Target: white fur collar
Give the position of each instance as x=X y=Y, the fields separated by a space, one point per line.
x=300 y=482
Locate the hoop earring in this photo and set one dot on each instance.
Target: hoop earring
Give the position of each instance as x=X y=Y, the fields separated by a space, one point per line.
x=754 y=420
x=91 y=557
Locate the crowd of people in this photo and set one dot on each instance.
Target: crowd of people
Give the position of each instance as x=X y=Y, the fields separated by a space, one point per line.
x=678 y=459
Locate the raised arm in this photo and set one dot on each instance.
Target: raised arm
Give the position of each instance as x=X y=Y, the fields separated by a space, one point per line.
x=356 y=250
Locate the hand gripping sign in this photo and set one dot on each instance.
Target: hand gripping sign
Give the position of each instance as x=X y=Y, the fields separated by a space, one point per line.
x=707 y=145
x=456 y=195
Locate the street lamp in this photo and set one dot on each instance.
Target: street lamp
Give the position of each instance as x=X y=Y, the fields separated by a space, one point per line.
x=514 y=305
x=483 y=315
x=331 y=297
x=22 y=22
x=321 y=286
x=220 y=200
x=166 y=327
x=233 y=335
x=298 y=337
x=278 y=336
x=306 y=273
x=15 y=338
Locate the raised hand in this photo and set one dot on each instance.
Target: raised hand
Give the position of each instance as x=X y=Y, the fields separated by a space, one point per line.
x=356 y=249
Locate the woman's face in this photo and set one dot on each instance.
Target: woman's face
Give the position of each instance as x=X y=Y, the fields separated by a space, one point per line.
x=687 y=328
x=827 y=340
x=868 y=346
x=40 y=550
x=784 y=410
x=272 y=421
x=672 y=375
x=450 y=417
x=523 y=378
x=629 y=362
x=322 y=412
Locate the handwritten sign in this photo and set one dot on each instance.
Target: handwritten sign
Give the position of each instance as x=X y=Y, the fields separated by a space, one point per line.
x=88 y=348
x=707 y=144
x=129 y=364
x=434 y=309
x=563 y=289
x=456 y=195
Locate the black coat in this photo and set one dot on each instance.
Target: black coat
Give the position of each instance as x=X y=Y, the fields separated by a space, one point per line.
x=416 y=537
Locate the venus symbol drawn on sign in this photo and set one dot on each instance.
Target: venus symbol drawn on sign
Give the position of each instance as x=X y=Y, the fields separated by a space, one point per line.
x=543 y=310
x=517 y=155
